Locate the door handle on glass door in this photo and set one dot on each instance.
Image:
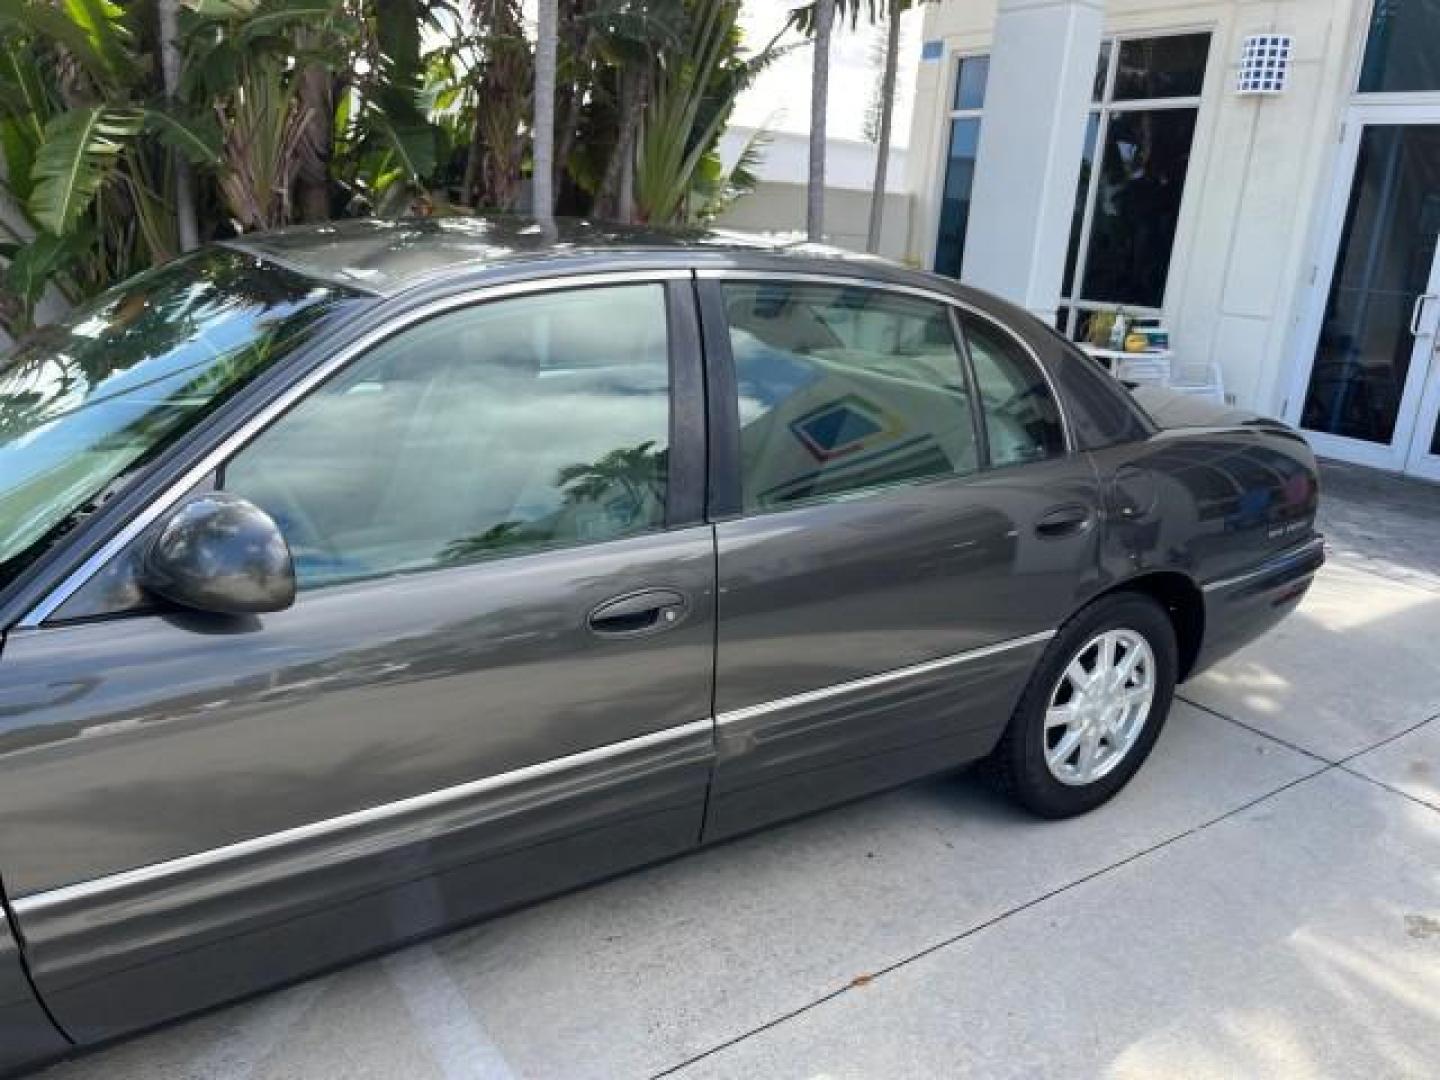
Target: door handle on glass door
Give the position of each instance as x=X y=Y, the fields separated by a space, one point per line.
x=1417 y=313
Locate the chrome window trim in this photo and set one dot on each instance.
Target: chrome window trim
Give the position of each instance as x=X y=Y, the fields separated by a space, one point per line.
x=273 y=409
x=811 y=697
x=430 y=800
x=937 y=295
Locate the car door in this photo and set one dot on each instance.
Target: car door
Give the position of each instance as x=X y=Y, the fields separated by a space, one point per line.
x=495 y=681
x=901 y=526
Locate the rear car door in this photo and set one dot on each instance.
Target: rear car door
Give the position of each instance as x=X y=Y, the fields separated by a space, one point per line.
x=495 y=681
x=901 y=526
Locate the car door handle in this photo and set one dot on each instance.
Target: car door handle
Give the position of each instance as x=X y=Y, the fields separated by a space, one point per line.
x=646 y=612
x=1063 y=521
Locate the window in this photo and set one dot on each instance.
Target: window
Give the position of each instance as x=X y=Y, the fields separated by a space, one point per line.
x=1400 y=51
x=1022 y=419
x=844 y=389
x=510 y=426
x=1132 y=176
x=971 y=74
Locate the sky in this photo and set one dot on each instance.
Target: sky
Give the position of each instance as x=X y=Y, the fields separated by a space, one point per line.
x=780 y=98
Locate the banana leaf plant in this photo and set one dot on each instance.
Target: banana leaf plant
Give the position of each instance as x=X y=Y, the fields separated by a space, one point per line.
x=86 y=141
x=693 y=91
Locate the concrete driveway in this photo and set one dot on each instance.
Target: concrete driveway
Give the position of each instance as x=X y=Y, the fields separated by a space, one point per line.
x=1264 y=900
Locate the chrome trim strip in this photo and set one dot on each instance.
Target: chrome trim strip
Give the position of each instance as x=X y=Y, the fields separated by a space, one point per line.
x=718 y=274
x=272 y=410
x=1270 y=566
x=810 y=697
x=67 y=894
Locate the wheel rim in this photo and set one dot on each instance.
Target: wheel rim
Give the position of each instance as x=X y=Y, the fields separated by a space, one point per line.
x=1099 y=706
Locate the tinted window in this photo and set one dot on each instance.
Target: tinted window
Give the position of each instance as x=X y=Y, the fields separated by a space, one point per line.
x=1142 y=180
x=86 y=401
x=1132 y=175
x=1162 y=67
x=844 y=389
x=506 y=427
x=955 y=199
x=1400 y=50
x=1022 y=420
x=970 y=79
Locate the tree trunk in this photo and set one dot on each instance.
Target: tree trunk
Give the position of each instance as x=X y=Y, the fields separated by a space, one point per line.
x=819 y=99
x=580 y=43
x=312 y=175
x=626 y=212
x=471 y=179
x=187 y=227
x=610 y=198
x=543 y=133
x=887 y=117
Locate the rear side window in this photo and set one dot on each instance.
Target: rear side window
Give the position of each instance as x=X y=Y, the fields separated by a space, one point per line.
x=1022 y=419
x=512 y=426
x=844 y=390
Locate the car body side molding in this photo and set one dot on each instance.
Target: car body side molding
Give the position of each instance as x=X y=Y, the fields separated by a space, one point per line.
x=132 y=948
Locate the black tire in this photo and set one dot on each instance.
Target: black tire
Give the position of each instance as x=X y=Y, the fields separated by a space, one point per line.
x=1018 y=762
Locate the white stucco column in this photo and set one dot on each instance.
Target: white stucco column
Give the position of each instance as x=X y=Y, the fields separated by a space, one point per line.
x=1042 y=75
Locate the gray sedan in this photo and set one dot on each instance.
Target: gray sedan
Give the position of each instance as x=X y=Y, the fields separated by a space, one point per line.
x=362 y=580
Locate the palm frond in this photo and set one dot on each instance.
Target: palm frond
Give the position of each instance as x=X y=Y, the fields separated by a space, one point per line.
x=197 y=137
x=80 y=149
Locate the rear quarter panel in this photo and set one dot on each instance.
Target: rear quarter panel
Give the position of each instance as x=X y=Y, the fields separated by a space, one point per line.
x=1231 y=509
x=1209 y=503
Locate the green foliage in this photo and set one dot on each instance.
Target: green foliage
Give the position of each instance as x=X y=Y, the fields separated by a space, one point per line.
x=695 y=89
x=78 y=151
x=873 y=12
x=342 y=106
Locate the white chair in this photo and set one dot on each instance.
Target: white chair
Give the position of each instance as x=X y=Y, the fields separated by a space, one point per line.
x=1201 y=379
x=1152 y=368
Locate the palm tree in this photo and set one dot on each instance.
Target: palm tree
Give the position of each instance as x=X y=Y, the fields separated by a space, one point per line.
x=543 y=164
x=819 y=99
x=187 y=227
x=807 y=19
x=887 y=119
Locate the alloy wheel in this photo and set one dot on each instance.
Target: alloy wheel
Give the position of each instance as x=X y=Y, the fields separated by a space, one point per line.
x=1098 y=707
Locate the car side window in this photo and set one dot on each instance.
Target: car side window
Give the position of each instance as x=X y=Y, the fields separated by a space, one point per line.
x=1022 y=418
x=507 y=427
x=844 y=389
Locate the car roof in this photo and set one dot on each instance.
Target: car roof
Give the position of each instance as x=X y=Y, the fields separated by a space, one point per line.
x=387 y=257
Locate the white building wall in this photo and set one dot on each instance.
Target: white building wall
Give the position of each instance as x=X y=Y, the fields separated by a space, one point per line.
x=1261 y=170
x=777 y=205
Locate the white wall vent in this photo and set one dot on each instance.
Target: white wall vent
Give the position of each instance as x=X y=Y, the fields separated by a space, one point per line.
x=1264 y=64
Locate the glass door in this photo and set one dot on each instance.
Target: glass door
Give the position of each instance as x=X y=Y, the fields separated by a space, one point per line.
x=1372 y=330
x=1424 y=457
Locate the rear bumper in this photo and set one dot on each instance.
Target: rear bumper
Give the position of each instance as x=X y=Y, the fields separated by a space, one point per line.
x=1241 y=607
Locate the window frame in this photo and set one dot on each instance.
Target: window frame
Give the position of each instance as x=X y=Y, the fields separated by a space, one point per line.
x=950 y=114
x=678 y=511
x=1071 y=305
x=724 y=498
x=977 y=402
x=685 y=494
x=1364 y=27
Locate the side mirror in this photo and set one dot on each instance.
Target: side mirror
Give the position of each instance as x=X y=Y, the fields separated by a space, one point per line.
x=221 y=553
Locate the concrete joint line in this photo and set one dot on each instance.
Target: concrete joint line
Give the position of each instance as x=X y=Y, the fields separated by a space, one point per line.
x=995 y=920
x=1343 y=764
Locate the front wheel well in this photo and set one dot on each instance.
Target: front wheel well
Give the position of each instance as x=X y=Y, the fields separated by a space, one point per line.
x=1184 y=603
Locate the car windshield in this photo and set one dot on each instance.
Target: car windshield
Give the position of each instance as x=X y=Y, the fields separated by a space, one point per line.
x=85 y=402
